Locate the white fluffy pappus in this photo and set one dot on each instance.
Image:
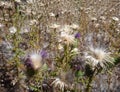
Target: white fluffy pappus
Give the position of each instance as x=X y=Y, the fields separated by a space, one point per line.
x=58 y=83
x=34 y=60
x=99 y=56
x=67 y=38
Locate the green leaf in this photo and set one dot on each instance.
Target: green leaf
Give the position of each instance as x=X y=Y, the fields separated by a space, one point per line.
x=79 y=73
x=117 y=60
x=45 y=67
x=33 y=88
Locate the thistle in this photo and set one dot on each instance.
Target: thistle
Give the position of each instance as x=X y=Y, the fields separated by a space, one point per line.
x=58 y=83
x=98 y=56
x=34 y=60
x=67 y=38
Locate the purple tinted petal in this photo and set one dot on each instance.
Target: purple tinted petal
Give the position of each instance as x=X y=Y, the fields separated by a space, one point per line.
x=77 y=35
x=43 y=54
x=28 y=62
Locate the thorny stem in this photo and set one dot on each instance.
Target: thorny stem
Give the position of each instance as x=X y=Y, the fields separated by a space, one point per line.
x=88 y=88
x=66 y=57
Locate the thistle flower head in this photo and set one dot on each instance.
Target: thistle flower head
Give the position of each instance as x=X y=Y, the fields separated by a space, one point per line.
x=34 y=60
x=99 y=56
x=67 y=34
x=67 y=38
x=58 y=83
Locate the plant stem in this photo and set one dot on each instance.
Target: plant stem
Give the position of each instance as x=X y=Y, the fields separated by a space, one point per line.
x=88 y=88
